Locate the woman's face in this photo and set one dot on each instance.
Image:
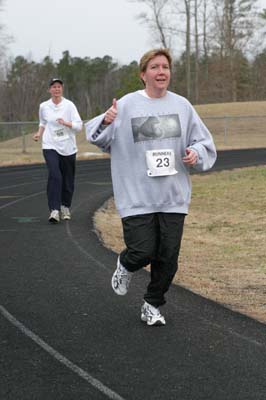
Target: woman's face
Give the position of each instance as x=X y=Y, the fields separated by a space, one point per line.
x=56 y=90
x=157 y=76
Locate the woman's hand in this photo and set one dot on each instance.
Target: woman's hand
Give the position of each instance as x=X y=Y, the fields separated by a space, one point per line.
x=110 y=114
x=191 y=157
x=61 y=121
x=36 y=136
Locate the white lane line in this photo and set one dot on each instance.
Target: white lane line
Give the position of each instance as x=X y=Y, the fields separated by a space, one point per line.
x=76 y=243
x=217 y=326
x=21 y=199
x=83 y=251
x=9 y=197
x=83 y=374
x=21 y=184
x=59 y=357
x=79 y=371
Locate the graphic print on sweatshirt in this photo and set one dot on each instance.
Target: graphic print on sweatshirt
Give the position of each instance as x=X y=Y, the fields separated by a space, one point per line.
x=156 y=127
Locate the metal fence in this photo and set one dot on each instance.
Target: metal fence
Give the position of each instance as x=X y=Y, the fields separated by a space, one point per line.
x=237 y=132
x=228 y=132
x=17 y=134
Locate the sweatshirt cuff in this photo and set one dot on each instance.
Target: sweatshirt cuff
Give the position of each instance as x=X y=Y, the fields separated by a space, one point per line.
x=100 y=129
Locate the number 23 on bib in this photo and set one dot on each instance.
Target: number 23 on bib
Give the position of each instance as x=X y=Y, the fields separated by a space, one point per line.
x=160 y=162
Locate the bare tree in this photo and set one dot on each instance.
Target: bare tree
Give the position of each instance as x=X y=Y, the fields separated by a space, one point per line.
x=187 y=4
x=157 y=20
x=235 y=24
x=196 y=51
x=5 y=40
x=202 y=35
x=162 y=21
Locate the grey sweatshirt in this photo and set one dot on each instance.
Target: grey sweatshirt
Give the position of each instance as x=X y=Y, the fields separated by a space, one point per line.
x=155 y=127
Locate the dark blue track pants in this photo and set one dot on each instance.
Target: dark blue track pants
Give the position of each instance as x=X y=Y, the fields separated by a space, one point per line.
x=153 y=239
x=61 y=176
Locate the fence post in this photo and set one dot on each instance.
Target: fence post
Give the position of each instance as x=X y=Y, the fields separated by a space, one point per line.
x=225 y=129
x=24 y=150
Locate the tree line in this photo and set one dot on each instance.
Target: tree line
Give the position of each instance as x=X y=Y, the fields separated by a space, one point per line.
x=222 y=45
x=219 y=56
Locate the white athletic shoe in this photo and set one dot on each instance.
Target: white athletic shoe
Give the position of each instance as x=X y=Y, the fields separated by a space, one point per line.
x=121 y=279
x=54 y=217
x=151 y=315
x=65 y=213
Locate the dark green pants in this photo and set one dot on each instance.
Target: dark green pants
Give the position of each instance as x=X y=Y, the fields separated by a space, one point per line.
x=153 y=239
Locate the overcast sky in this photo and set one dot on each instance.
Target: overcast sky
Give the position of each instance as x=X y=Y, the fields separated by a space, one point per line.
x=92 y=28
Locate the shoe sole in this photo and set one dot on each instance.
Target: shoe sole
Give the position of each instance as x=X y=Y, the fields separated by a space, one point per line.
x=156 y=323
x=53 y=221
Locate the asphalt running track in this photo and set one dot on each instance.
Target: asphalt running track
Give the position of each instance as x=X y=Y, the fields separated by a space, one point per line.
x=65 y=335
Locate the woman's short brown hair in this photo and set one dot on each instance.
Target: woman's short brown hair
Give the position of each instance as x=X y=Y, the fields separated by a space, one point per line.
x=152 y=54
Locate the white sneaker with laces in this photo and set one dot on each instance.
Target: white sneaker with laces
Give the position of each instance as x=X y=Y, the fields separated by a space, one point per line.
x=121 y=279
x=151 y=315
x=65 y=213
x=54 y=217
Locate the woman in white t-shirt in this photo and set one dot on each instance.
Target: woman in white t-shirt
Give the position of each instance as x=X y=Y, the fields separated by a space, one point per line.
x=59 y=122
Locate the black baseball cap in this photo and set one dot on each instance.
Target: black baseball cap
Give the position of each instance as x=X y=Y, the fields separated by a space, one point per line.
x=54 y=80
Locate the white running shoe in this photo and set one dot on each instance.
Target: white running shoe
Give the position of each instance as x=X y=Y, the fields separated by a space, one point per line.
x=65 y=213
x=121 y=279
x=54 y=217
x=151 y=315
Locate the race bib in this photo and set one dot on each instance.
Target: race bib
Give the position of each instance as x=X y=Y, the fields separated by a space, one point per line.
x=61 y=133
x=160 y=162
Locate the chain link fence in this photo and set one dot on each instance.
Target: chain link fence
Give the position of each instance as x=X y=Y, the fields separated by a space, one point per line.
x=16 y=134
x=229 y=132
x=237 y=132
x=17 y=144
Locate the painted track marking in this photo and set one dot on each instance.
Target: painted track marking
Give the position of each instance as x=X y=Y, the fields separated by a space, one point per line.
x=80 y=372
x=45 y=346
x=59 y=357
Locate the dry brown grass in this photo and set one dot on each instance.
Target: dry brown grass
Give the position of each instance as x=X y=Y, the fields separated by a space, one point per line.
x=232 y=109
x=11 y=150
x=224 y=242
x=228 y=133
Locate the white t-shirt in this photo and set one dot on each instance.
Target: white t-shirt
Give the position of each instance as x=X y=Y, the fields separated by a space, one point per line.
x=56 y=136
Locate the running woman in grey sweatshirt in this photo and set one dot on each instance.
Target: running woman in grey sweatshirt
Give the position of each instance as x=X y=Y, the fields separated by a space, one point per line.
x=154 y=137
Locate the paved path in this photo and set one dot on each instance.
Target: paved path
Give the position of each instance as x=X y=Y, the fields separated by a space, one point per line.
x=65 y=335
